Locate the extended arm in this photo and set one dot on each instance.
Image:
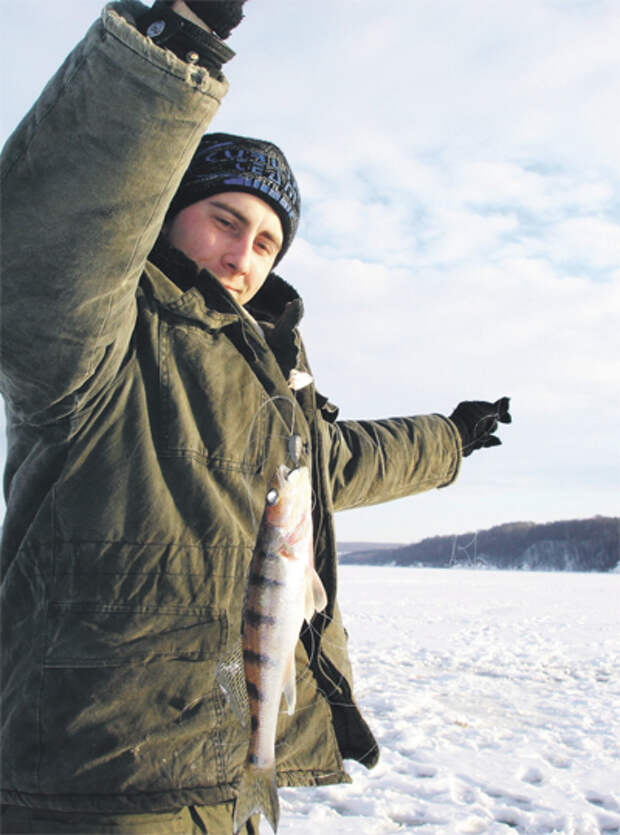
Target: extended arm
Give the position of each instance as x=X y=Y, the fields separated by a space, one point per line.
x=376 y=461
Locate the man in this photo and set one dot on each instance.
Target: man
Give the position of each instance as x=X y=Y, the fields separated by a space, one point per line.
x=155 y=380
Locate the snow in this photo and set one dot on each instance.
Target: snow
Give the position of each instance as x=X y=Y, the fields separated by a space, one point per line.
x=495 y=697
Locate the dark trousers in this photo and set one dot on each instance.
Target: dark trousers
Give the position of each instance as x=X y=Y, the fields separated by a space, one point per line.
x=191 y=820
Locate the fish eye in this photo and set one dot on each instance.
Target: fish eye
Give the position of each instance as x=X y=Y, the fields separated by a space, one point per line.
x=272 y=496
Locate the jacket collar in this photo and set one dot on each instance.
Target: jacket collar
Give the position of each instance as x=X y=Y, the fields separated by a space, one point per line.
x=277 y=304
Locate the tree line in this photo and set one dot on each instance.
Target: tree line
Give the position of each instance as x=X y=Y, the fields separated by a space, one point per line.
x=572 y=545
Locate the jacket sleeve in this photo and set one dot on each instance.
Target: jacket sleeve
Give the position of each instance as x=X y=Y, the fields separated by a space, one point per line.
x=376 y=461
x=86 y=180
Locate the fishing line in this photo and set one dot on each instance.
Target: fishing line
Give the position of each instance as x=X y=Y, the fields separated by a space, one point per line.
x=283 y=744
x=315 y=636
x=291 y=432
x=307 y=628
x=246 y=319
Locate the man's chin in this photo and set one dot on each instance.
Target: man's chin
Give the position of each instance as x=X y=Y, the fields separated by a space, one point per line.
x=238 y=295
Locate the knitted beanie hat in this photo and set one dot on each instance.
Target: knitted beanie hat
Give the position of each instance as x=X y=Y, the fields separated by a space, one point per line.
x=224 y=162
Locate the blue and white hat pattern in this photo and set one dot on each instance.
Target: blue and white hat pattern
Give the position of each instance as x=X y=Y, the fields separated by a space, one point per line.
x=225 y=162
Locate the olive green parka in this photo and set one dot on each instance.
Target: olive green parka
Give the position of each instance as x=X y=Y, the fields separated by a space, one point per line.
x=146 y=414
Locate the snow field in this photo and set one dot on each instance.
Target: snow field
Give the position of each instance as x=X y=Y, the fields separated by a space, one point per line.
x=495 y=698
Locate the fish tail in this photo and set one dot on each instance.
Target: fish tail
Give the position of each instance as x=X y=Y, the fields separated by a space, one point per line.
x=258 y=792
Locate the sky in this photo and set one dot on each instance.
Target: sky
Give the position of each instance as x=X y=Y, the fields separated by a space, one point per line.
x=459 y=165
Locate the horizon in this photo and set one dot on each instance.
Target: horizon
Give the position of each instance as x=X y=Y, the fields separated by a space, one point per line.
x=389 y=543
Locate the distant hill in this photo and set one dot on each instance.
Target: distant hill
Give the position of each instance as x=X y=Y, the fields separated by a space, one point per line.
x=573 y=545
x=356 y=547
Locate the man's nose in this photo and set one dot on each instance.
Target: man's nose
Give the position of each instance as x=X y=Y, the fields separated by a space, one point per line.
x=239 y=254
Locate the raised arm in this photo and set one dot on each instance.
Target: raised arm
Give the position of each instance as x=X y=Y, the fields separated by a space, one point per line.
x=86 y=180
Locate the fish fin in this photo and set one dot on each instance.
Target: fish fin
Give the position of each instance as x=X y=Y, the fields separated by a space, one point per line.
x=308 y=602
x=318 y=592
x=315 y=599
x=230 y=675
x=290 y=685
x=257 y=792
x=298 y=380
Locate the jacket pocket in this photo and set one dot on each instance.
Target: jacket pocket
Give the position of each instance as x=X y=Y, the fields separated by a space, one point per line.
x=85 y=634
x=128 y=705
x=212 y=404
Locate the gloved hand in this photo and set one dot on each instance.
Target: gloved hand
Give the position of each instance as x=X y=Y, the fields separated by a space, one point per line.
x=477 y=420
x=171 y=24
x=220 y=15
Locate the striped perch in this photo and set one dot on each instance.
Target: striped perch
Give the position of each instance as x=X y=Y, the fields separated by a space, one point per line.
x=283 y=589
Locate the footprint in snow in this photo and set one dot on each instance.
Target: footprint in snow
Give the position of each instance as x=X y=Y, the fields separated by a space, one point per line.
x=512 y=800
x=603 y=801
x=463 y=795
x=533 y=776
x=472 y=826
x=512 y=818
x=425 y=771
x=558 y=761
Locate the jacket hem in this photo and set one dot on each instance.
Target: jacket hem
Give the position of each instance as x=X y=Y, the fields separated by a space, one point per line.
x=125 y=802
x=312 y=778
x=159 y=801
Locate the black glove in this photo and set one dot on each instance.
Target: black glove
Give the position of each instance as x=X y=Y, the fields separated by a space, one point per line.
x=476 y=421
x=220 y=15
x=189 y=41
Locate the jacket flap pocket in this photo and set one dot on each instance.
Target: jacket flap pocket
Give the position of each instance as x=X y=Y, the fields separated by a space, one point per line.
x=93 y=634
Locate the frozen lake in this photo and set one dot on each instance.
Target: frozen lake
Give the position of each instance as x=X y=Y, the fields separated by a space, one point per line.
x=495 y=697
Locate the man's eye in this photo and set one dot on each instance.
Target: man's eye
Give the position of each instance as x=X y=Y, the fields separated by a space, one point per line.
x=224 y=222
x=264 y=246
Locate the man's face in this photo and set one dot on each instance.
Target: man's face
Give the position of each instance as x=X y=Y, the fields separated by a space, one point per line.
x=234 y=235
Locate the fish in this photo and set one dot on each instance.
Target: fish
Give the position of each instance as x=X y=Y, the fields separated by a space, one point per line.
x=283 y=589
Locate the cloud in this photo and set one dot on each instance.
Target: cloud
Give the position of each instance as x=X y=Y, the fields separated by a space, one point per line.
x=591 y=243
x=389 y=341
